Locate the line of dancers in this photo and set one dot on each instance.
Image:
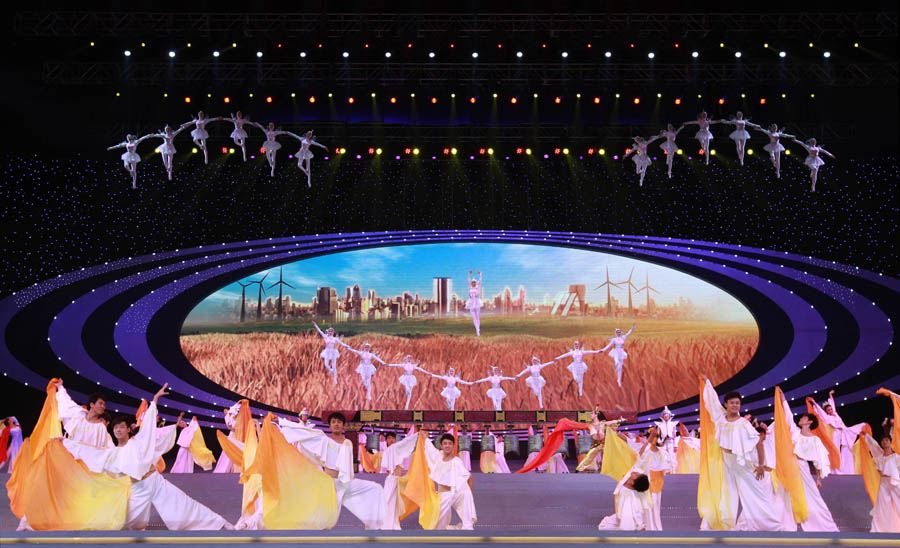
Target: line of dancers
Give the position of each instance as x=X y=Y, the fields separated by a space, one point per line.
x=641 y=157
x=451 y=392
x=130 y=158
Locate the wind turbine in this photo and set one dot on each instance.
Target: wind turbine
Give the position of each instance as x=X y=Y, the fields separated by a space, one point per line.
x=259 y=296
x=608 y=285
x=648 y=289
x=280 y=285
x=630 y=286
x=243 y=297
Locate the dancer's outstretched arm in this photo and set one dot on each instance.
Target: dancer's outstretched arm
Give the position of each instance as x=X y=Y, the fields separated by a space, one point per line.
x=625 y=336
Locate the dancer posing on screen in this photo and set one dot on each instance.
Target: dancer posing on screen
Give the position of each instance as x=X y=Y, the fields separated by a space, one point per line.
x=239 y=134
x=670 y=148
x=704 y=135
x=365 y=368
x=535 y=380
x=640 y=157
x=618 y=353
x=130 y=158
x=408 y=378
x=304 y=155
x=740 y=133
x=330 y=354
x=474 y=303
x=774 y=148
x=496 y=392
x=814 y=161
x=578 y=367
x=451 y=392
x=167 y=148
x=199 y=133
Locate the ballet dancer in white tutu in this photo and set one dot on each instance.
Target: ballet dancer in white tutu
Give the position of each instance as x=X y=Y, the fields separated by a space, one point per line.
x=365 y=368
x=814 y=161
x=577 y=367
x=130 y=158
x=304 y=155
x=451 y=392
x=774 y=147
x=618 y=353
x=669 y=146
x=704 y=135
x=740 y=133
x=535 y=380
x=640 y=156
x=496 y=392
x=167 y=148
x=199 y=133
x=330 y=354
x=239 y=134
x=408 y=378
x=270 y=145
x=474 y=304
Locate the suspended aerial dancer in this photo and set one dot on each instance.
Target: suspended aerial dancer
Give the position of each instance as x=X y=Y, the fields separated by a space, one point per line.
x=330 y=354
x=304 y=155
x=130 y=158
x=496 y=392
x=535 y=380
x=365 y=368
x=239 y=134
x=577 y=367
x=640 y=157
x=670 y=148
x=844 y=436
x=618 y=353
x=704 y=135
x=270 y=145
x=740 y=133
x=450 y=392
x=408 y=378
x=199 y=133
x=774 y=148
x=167 y=149
x=474 y=303
x=814 y=160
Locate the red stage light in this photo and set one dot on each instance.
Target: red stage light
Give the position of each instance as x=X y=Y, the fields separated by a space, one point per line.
x=557 y=150
x=187 y=99
x=409 y=45
x=632 y=45
x=637 y=100
x=676 y=44
x=596 y=100
x=452 y=46
x=762 y=101
x=721 y=100
x=433 y=100
x=262 y=150
x=312 y=98
x=446 y=151
x=407 y=150
x=499 y=46
x=519 y=150
x=589 y=45
x=268 y=99
x=627 y=151
x=481 y=151
x=279 y=45
x=513 y=100
x=557 y=100
x=227 y=99
x=701 y=152
x=543 y=45
x=393 y=99
x=350 y=100
x=678 y=100
x=590 y=151
x=472 y=100
x=224 y=150
x=367 y=45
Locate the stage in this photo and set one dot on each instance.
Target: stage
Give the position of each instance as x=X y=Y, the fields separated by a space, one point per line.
x=534 y=509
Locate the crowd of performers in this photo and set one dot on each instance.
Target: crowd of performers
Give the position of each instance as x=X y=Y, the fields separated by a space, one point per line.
x=752 y=476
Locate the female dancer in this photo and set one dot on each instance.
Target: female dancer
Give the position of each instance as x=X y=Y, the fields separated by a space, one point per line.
x=640 y=157
x=670 y=148
x=740 y=134
x=365 y=367
x=577 y=367
x=130 y=158
x=408 y=378
x=167 y=149
x=270 y=145
x=535 y=380
x=814 y=161
x=239 y=134
x=199 y=133
x=304 y=155
x=451 y=391
x=618 y=353
x=474 y=303
x=597 y=431
x=704 y=135
x=496 y=392
x=774 y=148
x=330 y=354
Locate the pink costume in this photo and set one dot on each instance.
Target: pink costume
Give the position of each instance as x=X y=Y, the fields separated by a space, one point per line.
x=886 y=513
x=535 y=380
x=239 y=134
x=618 y=353
x=408 y=378
x=813 y=160
x=844 y=436
x=76 y=425
x=474 y=304
x=270 y=144
x=451 y=392
x=704 y=135
x=578 y=368
x=740 y=132
x=365 y=368
x=224 y=464
x=669 y=145
x=305 y=155
x=496 y=392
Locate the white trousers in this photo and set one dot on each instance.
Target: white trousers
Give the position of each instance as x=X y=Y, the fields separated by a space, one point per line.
x=460 y=500
x=391 y=503
x=631 y=513
x=756 y=501
x=819 y=518
x=223 y=465
x=178 y=511
x=886 y=513
x=364 y=499
x=184 y=462
x=654 y=516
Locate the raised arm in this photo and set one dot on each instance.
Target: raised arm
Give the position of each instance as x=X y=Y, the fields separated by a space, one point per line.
x=319 y=330
x=654 y=138
x=313 y=142
x=711 y=400
x=825 y=152
x=801 y=143
x=630 y=331
x=691 y=123
x=377 y=359
x=607 y=347
x=561 y=356
x=761 y=129
x=527 y=367
x=350 y=348
x=179 y=130
x=543 y=365
x=67 y=409
x=591 y=351
x=789 y=414
x=120 y=145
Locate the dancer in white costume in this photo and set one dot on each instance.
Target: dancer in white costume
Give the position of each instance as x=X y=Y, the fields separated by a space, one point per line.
x=577 y=367
x=618 y=353
x=365 y=368
x=130 y=158
x=640 y=156
x=667 y=430
x=83 y=425
x=535 y=380
x=704 y=135
x=886 y=513
x=304 y=155
x=814 y=161
x=408 y=378
x=450 y=392
x=271 y=145
x=633 y=503
x=474 y=304
x=844 y=436
x=740 y=133
x=239 y=134
x=454 y=485
x=669 y=146
x=15 y=442
x=199 y=134
x=167 y=148
x=223 y=463
x=496 y=392
x=392 y=460
x=774 y=147
x=330 y=354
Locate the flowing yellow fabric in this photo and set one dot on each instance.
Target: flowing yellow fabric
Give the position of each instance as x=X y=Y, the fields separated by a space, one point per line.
x=488 y=463
x=252 y=482
x=711 y=485
x=656 y=481
x=202 y=455
x=786 y=466
x=296 y=494
x=139 y=416
x=864 y=464
x=242 y=422
x=688 y=458
x=618 y=458
x=370 y=462
x=895 y=431
x=825 y=433
x=234 y=453
x=417 y=490
x=57 y=492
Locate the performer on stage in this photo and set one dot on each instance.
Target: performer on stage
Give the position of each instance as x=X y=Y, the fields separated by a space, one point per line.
x=704 y=135
x=271 y=145
x=535 y=444
x=814 y=161
x=304 y=155
x=640 y=156
x=633 y=502
x=886 y=513
x=239 y=134
x=393 y=459
x=474 y=304
x=84 y=426
x=224 y=464
x=199 y=134
x=535 y=380
x=618 y=353
x=740 y=133
x=844 y=436
x=577 y=367
x=191 y=449
x=496 y=392
x=597 y=430
x=304 y=419
x=450 y=392
x=130 y=158
x=167 y=148
x=487 y=461
x=408 y=378
x=365 y=368
x=330 y=354
x=454 y=485
x=774 y=148
x=667 y=432
x=669 y=146
x=14 y=442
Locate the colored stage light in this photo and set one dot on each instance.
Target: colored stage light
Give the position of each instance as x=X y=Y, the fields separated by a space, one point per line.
x=810 y=44
x=472 y=100
x=407 y=150
x=528 y=151
x=230 y=151
x=187 y=99
x=565 y=151
x=712 y=152
x=721 y=100
x=393 y=99
x=513 y=100
x=855 y=44
x=499 y=46
x=312 y=98
x=371 y=150
x=92 y=44
x=302 y=54
x=596 y=99
x=519 y=150
x=127 y=53
x=194 y=150
x=535 y=95
x=226 y=99
x=482 y=151
x=750 y=151
x=695 y=54
x=557 y=150
x=343 y=150
x=262 y=150
x=637 y=100
x=659 y=95
x=490 y=152
x=413 y=95
x=578 y=96
x=415 y=152
x=453 y=151
x=446 y=151
x=618 y=95
x=165 y=94
x=784 y=95
x=762 y=100
x=678 y=100
x=557 y=100
x=494 y=95
x=269 y=99
x=350 y=100
x=679 y=152
x=812 y=95
x=590 y=151
x=787 y=152
x=224 y=150
x=433 y=100
x=373 y=95
x=118 y=94
x=378 y=151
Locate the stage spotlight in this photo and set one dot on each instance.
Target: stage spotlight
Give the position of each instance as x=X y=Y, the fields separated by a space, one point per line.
x=513 y=100
x=810 y=44
x=784 y=95
x=855 y=44
x=519 y=150
x=216 y=54
x=617 y=96
x=535 y=95
x=565 y=54
x=712 y=152
x=596 y=100
x=474 y=55
x=224 y=150
x=453 y=151
x=194 y=150
x=495 y=95
x=431 y=54
x=679 y=152
x=678 y=100
x=371 y=150
x=433 y=100
x=557 y=100
x=827 y=54
x=766 y=45
x=446 y=151
x=782 y=54
x=519 y=54
x=378 y=151
x=651 y=55
x=259 y=54
x=187 y=99
x=743 y=96
x=407 y=151
x=393 y=99
x=812 y=95
x=601 y=152
x=413 y=95
x=578 y=96
x=373 y=95
x=171 y=53
x=590 y=151
x=750 y=151
x=118 y=94
x=293 y=95
x=234 y=44
x=721 y=100
x=387 y=54
x=350 y=100
x=528 y=151
x=721 y=44
x=737 y=54
x=302 y=54
x=695 y=54
x=453 y=96
x=490 y=152
x=312 y=98
x=608 y=54
x=659 y=95
x=226 y=99
x=343 y=150
x=472 y=100
x=345 y=54
x=415 y=152
x=127 y=53
x=230 y=151
x=92 y=44
x=482 y=151
x=637 y=100
x=762 y=100
x=269 y=99
x=565 y=151
x=699 y=96
x=787 y=152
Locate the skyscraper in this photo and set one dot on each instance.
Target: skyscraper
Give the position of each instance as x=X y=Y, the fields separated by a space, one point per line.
x=356 y=301
x=442 y=288
x=326 y=301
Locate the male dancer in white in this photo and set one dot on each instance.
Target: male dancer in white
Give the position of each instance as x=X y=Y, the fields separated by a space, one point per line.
x=738 y=439
x=886 y=513
x=408 y=378
x=365 y=368
x=618 y=353
x=454 y=485
x=496 y=392
x=577 y=367
x=83 y=426
x=474 y=304
x=535 y=380
x=633 y=502
x=330 y=354
x=844 y=436
x=392 y=460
